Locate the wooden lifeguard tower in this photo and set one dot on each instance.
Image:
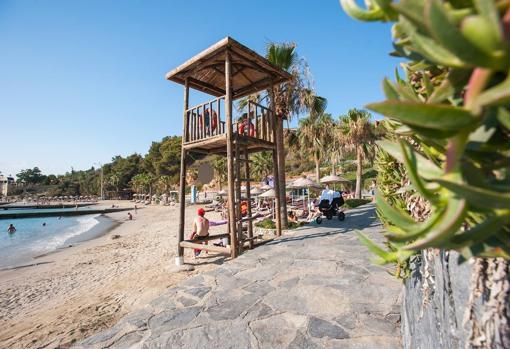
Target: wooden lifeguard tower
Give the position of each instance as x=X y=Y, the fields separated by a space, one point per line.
x=228 y=71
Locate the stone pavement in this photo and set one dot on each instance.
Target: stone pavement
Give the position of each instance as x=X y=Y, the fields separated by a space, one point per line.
x=314 y=288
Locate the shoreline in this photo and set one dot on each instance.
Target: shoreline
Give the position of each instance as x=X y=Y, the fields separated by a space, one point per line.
x=72 y=293
x=104 y=226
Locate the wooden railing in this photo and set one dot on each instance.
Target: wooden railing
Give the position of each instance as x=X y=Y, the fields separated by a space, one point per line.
x=206 y=120
x=258 y=122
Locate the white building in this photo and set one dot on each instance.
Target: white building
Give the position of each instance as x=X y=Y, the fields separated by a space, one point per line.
x=5 y=182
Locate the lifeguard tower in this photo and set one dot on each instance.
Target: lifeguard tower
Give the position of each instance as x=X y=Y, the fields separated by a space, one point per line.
x=228 y=71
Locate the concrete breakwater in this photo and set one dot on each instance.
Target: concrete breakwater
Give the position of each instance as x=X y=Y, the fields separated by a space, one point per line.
x=32 y=214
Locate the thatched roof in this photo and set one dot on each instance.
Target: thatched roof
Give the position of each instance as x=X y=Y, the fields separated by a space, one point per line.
x=206 y=71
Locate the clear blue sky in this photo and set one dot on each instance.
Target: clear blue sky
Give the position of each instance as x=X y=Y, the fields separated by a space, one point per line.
x=82 y=81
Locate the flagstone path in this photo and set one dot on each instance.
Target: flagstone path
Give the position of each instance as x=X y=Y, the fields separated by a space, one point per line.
x=314 y=288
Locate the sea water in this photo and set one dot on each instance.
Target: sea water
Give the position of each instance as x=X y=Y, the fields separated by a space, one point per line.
x=38 y=236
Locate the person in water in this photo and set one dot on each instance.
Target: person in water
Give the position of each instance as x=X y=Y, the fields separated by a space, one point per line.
x=44 y=224
x=11 y=229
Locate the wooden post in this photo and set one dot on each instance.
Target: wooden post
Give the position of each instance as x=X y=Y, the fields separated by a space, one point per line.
x=230 y=157
x=179 y=260
x=272 y=121
x=248 y=194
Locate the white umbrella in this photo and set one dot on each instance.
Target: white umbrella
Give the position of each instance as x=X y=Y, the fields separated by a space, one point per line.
x=268 y=194
x=304 y=183
x=333 y=179
x=266 y=187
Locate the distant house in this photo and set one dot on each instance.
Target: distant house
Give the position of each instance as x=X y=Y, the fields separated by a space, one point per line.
x=5 y=183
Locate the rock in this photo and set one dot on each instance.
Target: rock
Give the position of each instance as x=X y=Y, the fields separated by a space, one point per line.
x=171 y=319
x=115 y=236
x=302 y=342
x=319 y=328
x=198 y=292
x=277 y=331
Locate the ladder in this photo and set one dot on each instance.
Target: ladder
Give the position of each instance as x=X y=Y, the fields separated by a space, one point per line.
x=242 y=175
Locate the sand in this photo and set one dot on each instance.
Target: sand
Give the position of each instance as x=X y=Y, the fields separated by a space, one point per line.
x=84 y=289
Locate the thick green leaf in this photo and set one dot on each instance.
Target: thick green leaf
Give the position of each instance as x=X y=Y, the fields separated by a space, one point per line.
x=442 y=92
x=353 y=10
x=393 y=215
x=375 y=249
x=490 y=226
x=477 y=196
x=447 y=34
x=412 y=10
x=449 y=224
x=487 y=8
x=434 y=52
x=411 y=165
x=432 y=116
x=419 y=230
x=498 y=95
x=503 y=116
x=427 y=168
x=389 y=90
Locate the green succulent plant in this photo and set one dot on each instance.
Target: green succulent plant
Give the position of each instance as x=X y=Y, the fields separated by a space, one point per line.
x=449 y=126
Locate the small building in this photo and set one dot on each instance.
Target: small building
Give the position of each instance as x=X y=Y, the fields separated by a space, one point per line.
x=5 y=183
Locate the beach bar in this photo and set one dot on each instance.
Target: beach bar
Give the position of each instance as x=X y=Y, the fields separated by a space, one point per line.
x=228 y=71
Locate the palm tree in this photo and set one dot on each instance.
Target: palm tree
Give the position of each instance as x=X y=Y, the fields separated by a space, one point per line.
x=165 y=183
x=358 y=135
x=290 y=98
x=262 y=164
x=315 y=134
x=219 y=165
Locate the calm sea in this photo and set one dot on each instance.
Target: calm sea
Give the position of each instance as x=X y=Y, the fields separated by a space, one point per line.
x=37 y=236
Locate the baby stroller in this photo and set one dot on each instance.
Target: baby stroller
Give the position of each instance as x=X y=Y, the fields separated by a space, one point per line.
x=331 y=209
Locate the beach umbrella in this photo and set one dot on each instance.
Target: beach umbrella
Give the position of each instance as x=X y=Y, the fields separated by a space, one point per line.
x=305 y=183
x=331 y=179
x=268 y=194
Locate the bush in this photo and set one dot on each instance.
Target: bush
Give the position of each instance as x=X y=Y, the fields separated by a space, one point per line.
x=266 y=224
x=353 y=203
x=269 y=224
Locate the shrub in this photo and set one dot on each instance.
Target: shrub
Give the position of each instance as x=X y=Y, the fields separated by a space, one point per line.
x=353 y=203
x=269 y=224
x=448 y=126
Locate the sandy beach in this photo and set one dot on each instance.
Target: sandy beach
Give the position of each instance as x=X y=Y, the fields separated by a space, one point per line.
x=78 y=291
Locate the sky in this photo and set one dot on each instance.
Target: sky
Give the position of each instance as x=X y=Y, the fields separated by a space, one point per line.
x=83 y=81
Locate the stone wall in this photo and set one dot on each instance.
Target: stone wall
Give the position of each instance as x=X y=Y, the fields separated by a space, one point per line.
x=436 y=311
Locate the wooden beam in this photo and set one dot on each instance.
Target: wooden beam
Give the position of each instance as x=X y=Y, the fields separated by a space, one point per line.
x=248 y=195
x=197 y=84
x=198 y=246
x=209 y=238
x=182 y=181
x=230 y=156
